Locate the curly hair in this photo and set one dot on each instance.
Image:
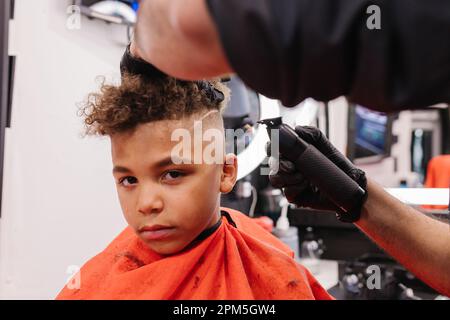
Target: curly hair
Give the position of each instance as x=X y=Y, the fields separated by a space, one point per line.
x=138 y=100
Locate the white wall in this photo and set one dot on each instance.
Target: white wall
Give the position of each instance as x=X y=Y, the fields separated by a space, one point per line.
x=59 y=202
x=338 y=113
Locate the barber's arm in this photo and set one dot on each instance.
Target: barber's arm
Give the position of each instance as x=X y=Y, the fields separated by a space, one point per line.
x=180 y=38
x=323 y=49
x=418 y=242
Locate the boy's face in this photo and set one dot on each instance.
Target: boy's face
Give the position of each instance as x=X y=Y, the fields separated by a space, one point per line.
x=167 y=204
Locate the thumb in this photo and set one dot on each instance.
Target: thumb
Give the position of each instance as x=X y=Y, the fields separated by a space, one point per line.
x=314 y=136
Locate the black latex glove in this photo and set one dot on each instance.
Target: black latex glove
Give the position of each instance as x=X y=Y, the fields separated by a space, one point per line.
x=300 y=191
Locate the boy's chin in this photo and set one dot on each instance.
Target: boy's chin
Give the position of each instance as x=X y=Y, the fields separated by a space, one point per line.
x=165 y=248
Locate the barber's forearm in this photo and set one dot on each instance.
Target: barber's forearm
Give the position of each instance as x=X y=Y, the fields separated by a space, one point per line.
x=180 y=38
x=418 y=242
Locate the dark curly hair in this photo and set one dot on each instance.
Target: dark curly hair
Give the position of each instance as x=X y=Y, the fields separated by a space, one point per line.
x=138 y=100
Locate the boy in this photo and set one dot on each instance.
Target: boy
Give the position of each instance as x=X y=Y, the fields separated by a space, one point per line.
x=180 y=244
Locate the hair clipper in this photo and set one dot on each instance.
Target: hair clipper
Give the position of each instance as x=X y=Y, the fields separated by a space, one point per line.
x=342 y=190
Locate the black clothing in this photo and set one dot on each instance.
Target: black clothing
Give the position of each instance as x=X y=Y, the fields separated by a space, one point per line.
x=294 y=49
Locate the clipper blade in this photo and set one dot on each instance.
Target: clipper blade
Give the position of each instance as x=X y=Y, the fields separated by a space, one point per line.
x=271 y=122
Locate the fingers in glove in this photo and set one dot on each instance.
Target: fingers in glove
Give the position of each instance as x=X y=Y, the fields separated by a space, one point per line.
x=314 y=136
x=293 y=192
x=308 y=198
x=281 y=180
x=281 y=165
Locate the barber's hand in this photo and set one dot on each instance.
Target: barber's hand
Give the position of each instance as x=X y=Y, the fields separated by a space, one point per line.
x=134 y=50
x=131 y=63
x=296 y=188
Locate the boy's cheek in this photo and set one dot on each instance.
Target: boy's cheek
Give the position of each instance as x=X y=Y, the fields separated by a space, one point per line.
x=126 y=207
x=131 y=220
x=123 y=198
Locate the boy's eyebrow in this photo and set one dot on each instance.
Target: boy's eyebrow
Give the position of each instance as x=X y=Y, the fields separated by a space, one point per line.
x=171 y=160
x=120 y=169
x=161 y=163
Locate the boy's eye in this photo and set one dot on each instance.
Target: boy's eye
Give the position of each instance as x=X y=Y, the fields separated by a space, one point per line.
x=172 y=175
x=128 y=181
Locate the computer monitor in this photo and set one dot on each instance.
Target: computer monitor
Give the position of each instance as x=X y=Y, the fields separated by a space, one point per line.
x=369 y=136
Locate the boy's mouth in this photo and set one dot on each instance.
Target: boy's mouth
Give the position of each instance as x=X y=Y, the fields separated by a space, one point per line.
x=155 y=232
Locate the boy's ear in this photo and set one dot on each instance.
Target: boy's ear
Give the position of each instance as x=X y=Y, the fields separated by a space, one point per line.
x=229 y=173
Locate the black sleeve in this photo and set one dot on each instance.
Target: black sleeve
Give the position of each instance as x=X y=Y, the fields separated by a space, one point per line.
x=294 y=49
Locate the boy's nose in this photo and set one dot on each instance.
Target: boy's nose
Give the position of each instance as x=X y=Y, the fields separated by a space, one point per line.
x=150 y=201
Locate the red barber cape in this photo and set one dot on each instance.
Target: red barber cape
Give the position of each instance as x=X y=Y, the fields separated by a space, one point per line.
x=235 y=262
x=438 y=176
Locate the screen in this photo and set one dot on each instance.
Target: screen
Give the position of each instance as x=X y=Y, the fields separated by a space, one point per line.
x=370 y=137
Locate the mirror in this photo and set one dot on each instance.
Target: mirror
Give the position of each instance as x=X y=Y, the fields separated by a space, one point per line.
x=406 y=152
